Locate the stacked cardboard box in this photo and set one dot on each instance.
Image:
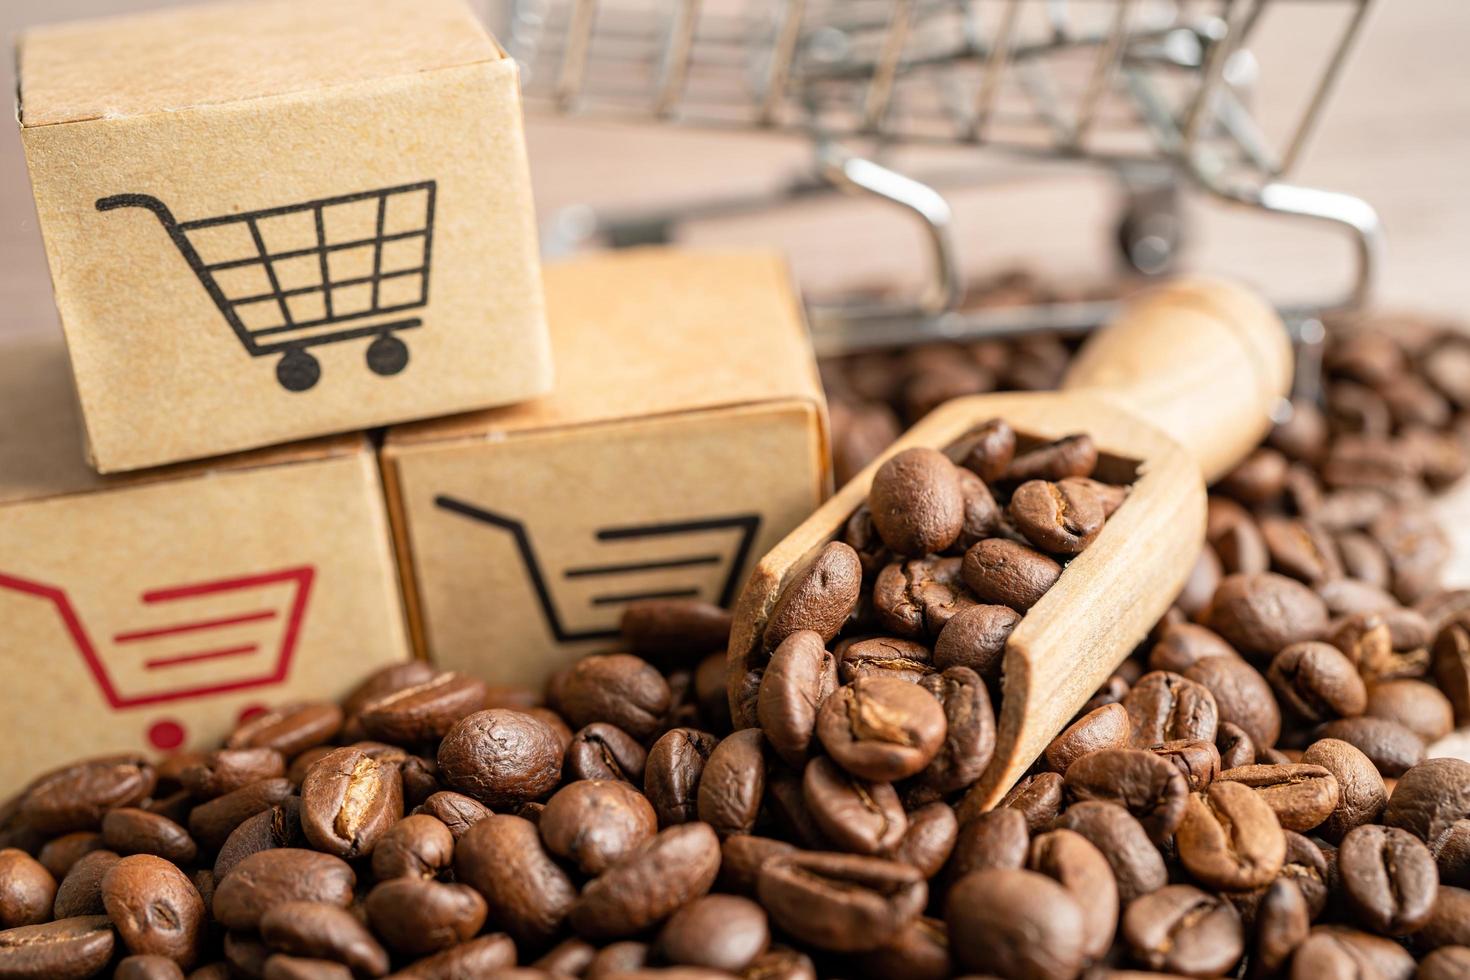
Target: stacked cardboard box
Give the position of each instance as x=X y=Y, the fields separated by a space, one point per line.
x=270 y=221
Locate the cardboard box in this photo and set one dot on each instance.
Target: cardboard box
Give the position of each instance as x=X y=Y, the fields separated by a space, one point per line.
x=687 y=435
x=201 y=173
x=149 y=611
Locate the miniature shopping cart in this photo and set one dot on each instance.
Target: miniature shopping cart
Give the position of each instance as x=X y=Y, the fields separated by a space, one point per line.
x=185 y=642
x=290 y=278
x=582 y=595
x=1159 y=91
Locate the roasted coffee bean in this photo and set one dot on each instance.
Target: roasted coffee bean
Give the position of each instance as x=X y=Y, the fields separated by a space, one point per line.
x=733 y=783
x=1262 y=613
x=1198 y=762
x=1430 y=798
x=969 y=739
x=617 y=688
x=1283 y=923
x=502 y=858
x=348 y=802
x=917 y=598
x=820 y=597
x=982 y=514
x=1038 y=797
x=1301 y=796
x=1239 y=544
x=455 y=810
x=287 y=874
x=570 y=957
x=1105 y=727
x=27 y=889
x=1017 y=924
x=484 y=956
x=318 y=930
x=58 y=854
x=1451 y=851
x=1059 y=518
x=989 y=451
x=1316 y=682
x=603 y=751
x=860 y=534
x=880 y=728
x=675 y=628
x=1258 y=478
x=595 y=823
x=675 y=766
x=129 y=830
x=787 y=809
x=210 y=824
x=1074 y=455
x=999 y=570
x=227 y=770
x=386 y=680
x=1445 y=963
x=622 y=959
x=1341 y=954
x=289 y=730
x=419 y=712
x=65 y=949
x=800 y=677
x=1077 y=865
x=76 y=797
x=678 y=865
x=1301 y=549
x=155 y=908
x=916 y=502
x=418 y=846
x=1361 y=794
x=280 y=826
x=1138 y=867
x=1451 y=665
x=1148 y=787
x=1242 y=696
x=718 y=932
x=1418 y=706
x=1392 y=747
x=415 y=917
x=1183 y=930
x=1230 y=838
x=845 y=903
x=1389 y=878
x=500 y=757
x=1164 y=707
x=1449 y=923
x=741 y=857
x=855 y=814
x=920 y=951
x=883 y=656
x=975 y=637
x=1182 y=645
x=80 y=892
x=930 y=839
x=996 y=839
x=147 y=967
x=1236 y=747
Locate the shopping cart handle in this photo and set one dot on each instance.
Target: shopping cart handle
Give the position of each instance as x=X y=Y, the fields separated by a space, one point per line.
x=138 y=201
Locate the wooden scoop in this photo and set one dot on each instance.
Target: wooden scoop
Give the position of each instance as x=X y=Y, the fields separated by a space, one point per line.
x=1174 y=392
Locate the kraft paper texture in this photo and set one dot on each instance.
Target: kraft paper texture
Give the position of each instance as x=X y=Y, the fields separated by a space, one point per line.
x=686 y=437
x=401 y=180
x=148 y=613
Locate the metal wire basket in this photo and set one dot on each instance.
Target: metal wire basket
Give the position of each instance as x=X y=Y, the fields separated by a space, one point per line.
x=1142 y=86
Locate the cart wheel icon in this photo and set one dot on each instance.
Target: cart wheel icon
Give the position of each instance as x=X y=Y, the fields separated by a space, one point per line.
x=298 y=371
x=387 y=355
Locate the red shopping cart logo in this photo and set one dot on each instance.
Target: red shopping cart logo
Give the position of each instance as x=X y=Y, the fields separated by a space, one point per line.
x=189 y=641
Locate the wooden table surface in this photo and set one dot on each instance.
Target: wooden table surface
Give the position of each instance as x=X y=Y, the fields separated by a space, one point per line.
x=1397 y=133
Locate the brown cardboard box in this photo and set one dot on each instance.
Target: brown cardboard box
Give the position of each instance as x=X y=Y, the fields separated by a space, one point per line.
x=150 y=610
x=372 y=144
x=687 y=435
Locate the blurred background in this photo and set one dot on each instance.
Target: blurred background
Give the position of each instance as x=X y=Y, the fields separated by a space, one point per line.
x=1394 y=134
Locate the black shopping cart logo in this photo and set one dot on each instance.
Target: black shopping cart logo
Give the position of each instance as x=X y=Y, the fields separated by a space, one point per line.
x=614 y=584
x=289 y=278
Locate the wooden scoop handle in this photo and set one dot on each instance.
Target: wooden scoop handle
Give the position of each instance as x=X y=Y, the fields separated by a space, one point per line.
x=1202 y=359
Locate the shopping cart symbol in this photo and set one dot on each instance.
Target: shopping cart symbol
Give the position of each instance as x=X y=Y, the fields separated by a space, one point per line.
x=218 y=636
x=604 y=601
x=286 y=278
